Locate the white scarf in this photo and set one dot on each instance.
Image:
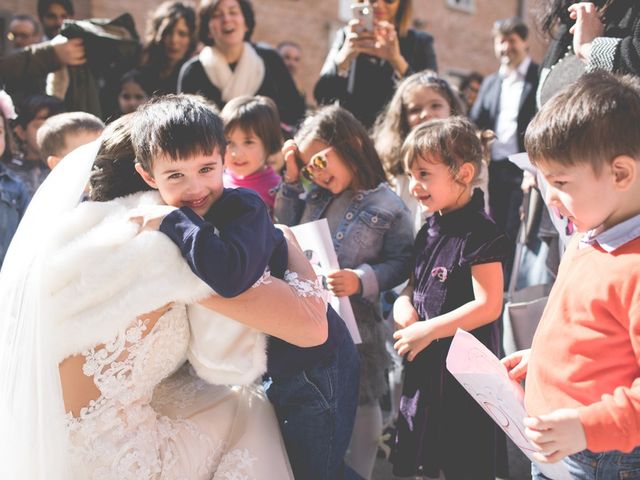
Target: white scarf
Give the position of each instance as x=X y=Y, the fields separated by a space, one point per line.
x=244 y=80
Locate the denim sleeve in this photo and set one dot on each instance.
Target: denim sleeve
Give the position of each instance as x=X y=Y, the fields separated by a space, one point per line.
x=289 y=207
x=233 y=260
x=395 y=258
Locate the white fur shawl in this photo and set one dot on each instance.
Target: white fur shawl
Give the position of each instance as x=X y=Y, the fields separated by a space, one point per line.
x=102 y=272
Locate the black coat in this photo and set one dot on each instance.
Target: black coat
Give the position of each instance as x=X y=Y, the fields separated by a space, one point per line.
x=375 y=80
x=622 y=21
x=486 y=108
x=278 y=85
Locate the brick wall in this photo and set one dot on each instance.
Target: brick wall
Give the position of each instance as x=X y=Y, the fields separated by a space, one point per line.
x=462 y=40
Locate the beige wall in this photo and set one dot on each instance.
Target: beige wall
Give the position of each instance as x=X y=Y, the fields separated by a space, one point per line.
x=462 y=40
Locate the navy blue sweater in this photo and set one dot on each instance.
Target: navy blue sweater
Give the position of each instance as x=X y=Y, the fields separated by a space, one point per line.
x=231 y=260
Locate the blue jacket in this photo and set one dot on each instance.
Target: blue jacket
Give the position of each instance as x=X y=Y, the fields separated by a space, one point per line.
x=14 y=199
x=374 y=238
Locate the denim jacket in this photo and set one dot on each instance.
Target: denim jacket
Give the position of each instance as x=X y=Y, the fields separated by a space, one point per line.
x=14 y=199
x=374 y=238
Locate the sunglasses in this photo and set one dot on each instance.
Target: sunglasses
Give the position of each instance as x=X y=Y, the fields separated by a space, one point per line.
x=317 y=163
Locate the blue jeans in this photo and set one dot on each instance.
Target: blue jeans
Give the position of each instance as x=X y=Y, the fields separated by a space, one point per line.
x=316 y=410
x=586 y=465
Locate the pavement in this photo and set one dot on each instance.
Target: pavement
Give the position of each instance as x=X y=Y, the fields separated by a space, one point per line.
x=519 y=466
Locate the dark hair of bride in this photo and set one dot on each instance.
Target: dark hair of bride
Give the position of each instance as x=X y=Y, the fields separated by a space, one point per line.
x=554 y=12
x=114 y=174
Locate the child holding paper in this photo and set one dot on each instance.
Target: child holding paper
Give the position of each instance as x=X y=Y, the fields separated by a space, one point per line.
x=456 y=283
x=372 y=234
x=582 y=371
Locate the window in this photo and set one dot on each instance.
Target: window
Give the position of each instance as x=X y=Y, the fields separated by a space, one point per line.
x=464 y=5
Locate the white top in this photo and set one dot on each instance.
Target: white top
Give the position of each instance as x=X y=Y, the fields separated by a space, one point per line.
x=506 y=142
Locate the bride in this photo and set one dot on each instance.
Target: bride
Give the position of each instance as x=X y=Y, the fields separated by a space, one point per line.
x=94 y=333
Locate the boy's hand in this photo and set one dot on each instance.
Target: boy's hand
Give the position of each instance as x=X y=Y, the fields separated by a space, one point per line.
x=404 y=314
x=556 y=435
x=517 y=364
x=290 y=154
x=413 y=339
x=343 y=283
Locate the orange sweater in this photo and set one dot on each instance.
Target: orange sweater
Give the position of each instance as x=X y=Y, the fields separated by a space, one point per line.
x=586 y=350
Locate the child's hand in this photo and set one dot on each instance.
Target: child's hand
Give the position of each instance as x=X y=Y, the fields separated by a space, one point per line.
x=517 y=364
x=343 y=283
x=413 y=339
x=556 y=435
x=404 y=314
x=292 y=170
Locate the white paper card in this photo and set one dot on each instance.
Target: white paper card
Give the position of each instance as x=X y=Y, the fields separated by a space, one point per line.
x=315 y=240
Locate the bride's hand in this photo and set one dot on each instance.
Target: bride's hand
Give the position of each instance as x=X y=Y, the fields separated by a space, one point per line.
x=150 y=219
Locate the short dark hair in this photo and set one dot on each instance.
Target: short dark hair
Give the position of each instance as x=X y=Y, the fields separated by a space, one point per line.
x=206 y=9
x=338 y=128
x=511 y=25
x=454 y=140
x=43 y=6
x=257 y=114
x=136 y=76
x=29 y=107
x=52 y=135
x=176 y=126
x=470 y=77
x=591 y=122
x=23 y=17
x=114 y=174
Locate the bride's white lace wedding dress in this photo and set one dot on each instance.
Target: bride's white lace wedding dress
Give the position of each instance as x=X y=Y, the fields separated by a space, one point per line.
x=153 y=417
x=191 y=430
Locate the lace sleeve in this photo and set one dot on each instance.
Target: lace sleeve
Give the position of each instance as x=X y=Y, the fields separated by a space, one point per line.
x=265 y=278
x=306 y=287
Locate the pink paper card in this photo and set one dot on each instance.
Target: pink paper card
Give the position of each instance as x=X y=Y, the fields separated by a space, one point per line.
x=480 y=372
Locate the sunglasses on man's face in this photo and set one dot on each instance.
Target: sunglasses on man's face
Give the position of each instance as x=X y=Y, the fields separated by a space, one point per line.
x=318 y=162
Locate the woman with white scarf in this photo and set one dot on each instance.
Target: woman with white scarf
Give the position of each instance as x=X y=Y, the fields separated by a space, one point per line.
x=230 y=66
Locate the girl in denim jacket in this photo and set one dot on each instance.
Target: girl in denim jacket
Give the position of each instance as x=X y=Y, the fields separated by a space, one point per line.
x=372 y=234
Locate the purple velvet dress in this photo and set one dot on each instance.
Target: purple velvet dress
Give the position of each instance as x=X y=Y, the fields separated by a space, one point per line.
x=440 y=427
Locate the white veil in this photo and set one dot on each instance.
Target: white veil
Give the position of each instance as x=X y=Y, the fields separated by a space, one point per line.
x=33 y=439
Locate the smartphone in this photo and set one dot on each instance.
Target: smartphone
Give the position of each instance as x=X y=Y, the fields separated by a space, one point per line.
x=364 y=13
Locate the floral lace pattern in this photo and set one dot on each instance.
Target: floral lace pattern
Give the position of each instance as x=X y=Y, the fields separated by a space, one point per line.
x=119 y=435
x=305 y=287
x=265 y=278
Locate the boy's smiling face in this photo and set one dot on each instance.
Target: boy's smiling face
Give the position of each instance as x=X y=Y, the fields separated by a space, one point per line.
x=195 y=182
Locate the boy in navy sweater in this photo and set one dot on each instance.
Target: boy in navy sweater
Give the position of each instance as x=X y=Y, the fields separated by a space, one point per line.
x=313 y=389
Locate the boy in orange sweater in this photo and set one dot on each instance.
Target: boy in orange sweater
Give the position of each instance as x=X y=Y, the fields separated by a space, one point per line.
x=583 y=369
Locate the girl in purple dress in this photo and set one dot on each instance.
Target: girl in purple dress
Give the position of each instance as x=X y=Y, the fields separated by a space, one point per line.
x=456 y=283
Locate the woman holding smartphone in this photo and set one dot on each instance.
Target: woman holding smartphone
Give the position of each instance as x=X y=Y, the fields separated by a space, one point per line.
x=363 y=65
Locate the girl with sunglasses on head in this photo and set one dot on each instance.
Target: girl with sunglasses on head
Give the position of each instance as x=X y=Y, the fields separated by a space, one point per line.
x=361 y=70
x=371 y=233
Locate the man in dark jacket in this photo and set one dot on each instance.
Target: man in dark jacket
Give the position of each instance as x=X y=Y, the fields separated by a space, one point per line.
x=506 y=104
